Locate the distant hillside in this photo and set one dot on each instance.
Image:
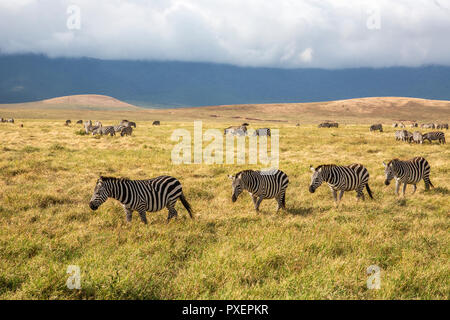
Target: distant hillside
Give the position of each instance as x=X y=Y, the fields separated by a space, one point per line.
x=384 y=109
x=25 y=78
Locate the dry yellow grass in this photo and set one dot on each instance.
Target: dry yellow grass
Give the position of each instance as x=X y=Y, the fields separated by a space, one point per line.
x=228 y=251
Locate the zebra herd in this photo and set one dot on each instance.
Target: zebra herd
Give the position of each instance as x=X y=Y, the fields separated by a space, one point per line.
x=423 y=125
x=242 y=131
x=418 y=137
x=11 y=120
x=163 y=192
x=328 y=125
x=125 y=128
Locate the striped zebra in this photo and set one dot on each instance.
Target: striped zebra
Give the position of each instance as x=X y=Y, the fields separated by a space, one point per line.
x=341 y=178
x=435 y=135
x=80 y=122
x=141 y=195
x=262 y=132
x=261 y=185
x=236 y=130
x=127 y=123
x=417 y=137
x=10 y=120
x=104 y=131
x=119 y=128
x=126 y=131
x=408 y=136
x=377 y=126
x=399 y=135
x=442 y=126
x=407 y=172
x=428 y=125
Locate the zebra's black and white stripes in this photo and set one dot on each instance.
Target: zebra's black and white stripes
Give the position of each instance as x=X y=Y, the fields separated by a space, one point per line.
x=341 y=178
x=261 y=185
x=141 y=195
x=435 y=135
x=407 y=172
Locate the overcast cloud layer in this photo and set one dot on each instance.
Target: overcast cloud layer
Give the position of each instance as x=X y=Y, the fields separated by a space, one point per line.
x=282 y=33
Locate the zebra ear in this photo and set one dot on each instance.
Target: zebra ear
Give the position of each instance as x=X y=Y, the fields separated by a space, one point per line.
x=230 y=177
x=312 y=168
x=384 y=164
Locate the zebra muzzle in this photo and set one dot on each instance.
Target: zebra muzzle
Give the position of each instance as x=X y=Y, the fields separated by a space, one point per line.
x=233 y=198
x=93 y=206
x=387 y=182
x=311 y=189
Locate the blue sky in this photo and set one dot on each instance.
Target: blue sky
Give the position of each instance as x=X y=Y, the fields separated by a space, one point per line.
x=283 y=33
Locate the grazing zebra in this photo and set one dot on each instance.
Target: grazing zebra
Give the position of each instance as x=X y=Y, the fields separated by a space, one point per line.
x=104 y=131
x=435 y=135
x=408 y=136
x=417 y=137
x=126 y=131
x=442 y=126
x=399 y=134
x=407 y=172
x=141 y=195
x=342 y=178
x=261 y=185
x=236 y=130
x=156 y=123
x=378 y=126
x=262 y=132
x=428 y=125
x=79 y=122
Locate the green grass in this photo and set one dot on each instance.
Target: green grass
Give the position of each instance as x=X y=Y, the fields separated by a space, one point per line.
x=312 y=251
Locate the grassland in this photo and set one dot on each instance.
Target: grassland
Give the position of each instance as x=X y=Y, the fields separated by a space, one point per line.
x=311 y=251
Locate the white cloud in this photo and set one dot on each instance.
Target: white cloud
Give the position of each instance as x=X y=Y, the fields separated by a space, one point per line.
x=283 y=33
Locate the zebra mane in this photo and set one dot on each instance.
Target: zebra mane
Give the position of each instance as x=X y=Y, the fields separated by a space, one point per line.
x=393 y=160
x=325 y=166
x=113 y=179
x=243 y=171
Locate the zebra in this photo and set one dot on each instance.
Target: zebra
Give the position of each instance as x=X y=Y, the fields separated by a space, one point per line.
x=261 y=185
x=236 y=130
x=79 y=122
x=68 y=122
x=104 y=130
x=262 y=132
x=378 y=126
x=407 y=172
x=126 y=131
x=156 y=123
x=10 y=120
x=417 y=137
x=342 y=178
x=428 y=125
x=399 y=135
x=328 y=125
x=442 y=126
x=141 y=195
x=408 y=136
x=435 y=135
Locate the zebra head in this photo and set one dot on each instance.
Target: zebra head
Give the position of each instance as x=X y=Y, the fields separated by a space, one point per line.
x=100 y=194
x=316 y=178
x=237 y=186
x=388 y=172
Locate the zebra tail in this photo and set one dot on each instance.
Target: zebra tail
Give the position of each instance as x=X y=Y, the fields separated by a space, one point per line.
x=186 y=204
x=369 y=191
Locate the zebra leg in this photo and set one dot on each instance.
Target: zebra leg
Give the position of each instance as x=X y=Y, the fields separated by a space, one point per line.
x=258 y=202
x=172 y=213
x=341 y=194
x=360 y=194
x=255 y=200
x=397 y=187
x=415 y=188
x=404 y=189
x=280 y=201
x=128 y=213
x=143 y=216
x=335 y=197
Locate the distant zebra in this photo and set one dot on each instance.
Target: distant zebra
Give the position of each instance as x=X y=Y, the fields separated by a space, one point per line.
x=417 y=137
x=375 y=127
x=98 y=124
x=261 y=185
x=262 y=132
x=126 y=131
x=414 y=125
x=141 y=195
x=119 y=128
x=79 y=122
x=236 y=130
x=442 y=126
x=104 y=131
x=10 y=120
x=68 y=122
x=435 y=135
x=428 y=125
x=408 y=136
x=403 y=135
x=156 y=123
x=407 y=172
x=329 y=125
x=399 y=134
x=342 y=178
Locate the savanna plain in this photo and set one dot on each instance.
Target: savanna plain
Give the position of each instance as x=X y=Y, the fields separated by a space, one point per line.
x=313 y=250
